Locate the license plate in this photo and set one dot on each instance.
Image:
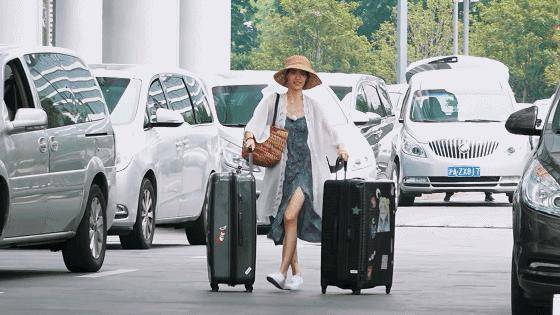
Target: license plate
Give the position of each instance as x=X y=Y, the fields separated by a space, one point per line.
x=463 y=171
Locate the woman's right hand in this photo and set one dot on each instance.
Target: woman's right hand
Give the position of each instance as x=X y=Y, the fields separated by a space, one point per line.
x=250 y=144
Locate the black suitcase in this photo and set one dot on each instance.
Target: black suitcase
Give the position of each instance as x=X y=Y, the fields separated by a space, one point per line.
x=358 y=233
x=231 y=229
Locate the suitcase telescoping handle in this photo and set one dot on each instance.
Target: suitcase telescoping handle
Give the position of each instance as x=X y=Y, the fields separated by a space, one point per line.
x=338 y=165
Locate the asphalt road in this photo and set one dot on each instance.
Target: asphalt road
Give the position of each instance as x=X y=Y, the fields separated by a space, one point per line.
x=449 y=259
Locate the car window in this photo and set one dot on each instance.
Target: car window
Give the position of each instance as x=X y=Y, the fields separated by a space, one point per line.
x=341 y=91
x=374 y=101
x=361 y=100
x=385 y=98
x=121 y=95
x=178 y=97
x=16 y=88
x=54 y=89
x=447 y=106
x=202 y=111
x=235 y=103
x=403 y=104
x=90 y=103
x=156 y=99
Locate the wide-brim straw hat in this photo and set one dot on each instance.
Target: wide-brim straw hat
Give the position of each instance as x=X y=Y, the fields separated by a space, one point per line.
x=301 y=63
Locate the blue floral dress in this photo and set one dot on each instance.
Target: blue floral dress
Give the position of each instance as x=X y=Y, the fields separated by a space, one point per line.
x=297 y=174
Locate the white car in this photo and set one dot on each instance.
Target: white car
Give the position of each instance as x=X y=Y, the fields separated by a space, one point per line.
x=237 y=93
x=167 y=146
x=396 y=93
x=372 y=111
x=454 y=138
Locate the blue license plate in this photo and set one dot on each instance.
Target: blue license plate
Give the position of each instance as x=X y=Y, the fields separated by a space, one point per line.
x=463 y=171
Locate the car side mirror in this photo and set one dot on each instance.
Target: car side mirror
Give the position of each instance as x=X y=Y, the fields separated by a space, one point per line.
x=167 y=118
x=28 y=119
x=373 y=118
x=524 y=122
x=359 y=118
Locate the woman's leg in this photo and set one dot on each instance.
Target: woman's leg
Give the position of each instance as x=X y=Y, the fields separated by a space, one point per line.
x=294 y=263
x=290 y=229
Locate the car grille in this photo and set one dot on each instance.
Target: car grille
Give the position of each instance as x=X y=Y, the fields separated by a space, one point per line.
x=463 y=149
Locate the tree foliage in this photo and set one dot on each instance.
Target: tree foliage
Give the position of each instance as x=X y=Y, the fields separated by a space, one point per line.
x=429 y=34
x=322 y=30
x=520 y=33
x=372 y=13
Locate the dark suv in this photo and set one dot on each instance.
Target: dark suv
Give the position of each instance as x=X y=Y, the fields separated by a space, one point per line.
x=535 y=269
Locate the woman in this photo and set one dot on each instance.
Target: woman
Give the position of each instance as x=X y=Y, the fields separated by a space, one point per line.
x=293 y=189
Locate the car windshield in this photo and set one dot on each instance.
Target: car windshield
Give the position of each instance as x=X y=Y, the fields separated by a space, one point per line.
x=121 y=96
x=235 y=103
x=449 y=106
x=341 y=91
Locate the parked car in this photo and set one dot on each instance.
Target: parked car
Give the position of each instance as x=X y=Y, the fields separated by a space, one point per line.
x=167 y=146
x=453 y=137
x=371 y=110
x=237 y=93
x=57 y=156
x=535 y=267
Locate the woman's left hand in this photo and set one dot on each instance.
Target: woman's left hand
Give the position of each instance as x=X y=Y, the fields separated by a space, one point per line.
x=342 y=153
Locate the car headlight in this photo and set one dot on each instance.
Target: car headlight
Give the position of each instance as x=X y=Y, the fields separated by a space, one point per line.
x=123 y=160
x=411 y=147
x=233 y=159
x=540 y=190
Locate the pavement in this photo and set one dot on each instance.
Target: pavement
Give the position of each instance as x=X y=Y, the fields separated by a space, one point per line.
x=449 y=259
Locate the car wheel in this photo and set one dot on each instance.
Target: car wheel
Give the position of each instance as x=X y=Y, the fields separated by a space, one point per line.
x=144 y=228
x=196 y=232
x=85 y=252
x=510 y=198
x=406 y=200
x=519 y=303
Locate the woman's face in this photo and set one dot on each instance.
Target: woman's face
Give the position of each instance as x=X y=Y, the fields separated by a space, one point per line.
x=296 y=79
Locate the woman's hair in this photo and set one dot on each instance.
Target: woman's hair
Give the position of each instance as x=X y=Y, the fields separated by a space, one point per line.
x=288 y=70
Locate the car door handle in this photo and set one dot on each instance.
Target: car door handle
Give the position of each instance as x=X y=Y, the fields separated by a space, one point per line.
x=54 y=144
x=43 y=144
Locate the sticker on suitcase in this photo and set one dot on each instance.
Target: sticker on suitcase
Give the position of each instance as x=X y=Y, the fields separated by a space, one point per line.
x=248 y=271
x=369 y=272
x=384 y=262
x=221 y=234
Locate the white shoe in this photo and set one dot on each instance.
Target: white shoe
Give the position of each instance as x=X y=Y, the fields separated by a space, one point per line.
x=277 y=279
x=295 y=283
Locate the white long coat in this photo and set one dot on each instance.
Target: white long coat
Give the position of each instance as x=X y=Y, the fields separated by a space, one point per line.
x=322 y=141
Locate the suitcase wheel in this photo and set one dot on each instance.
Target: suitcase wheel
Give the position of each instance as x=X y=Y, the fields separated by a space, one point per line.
x=323 y=289
x=356 y=292
x=249 y=287
x=388 y=289
x=214 y=287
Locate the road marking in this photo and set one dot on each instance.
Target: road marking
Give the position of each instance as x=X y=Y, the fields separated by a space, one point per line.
x=1 y=292
x=107 y=273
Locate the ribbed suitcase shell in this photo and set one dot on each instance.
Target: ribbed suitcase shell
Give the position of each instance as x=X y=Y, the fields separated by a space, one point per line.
x=354 y=254
x=231 y=230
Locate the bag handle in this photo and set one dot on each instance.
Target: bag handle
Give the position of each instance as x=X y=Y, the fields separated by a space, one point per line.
x=275 y=109
x=339 y=164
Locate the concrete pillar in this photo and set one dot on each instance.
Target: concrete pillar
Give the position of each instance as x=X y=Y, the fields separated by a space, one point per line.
x=205 y=44
x=141 y=31
x=78 y=26
x=21 y=22
x=402 y=40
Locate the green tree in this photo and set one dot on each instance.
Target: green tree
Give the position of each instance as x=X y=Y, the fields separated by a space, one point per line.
x=552 y=72
x=429 y=34
x=372 y=13
x=243 y=31
x=520 y=34
x=322 y=30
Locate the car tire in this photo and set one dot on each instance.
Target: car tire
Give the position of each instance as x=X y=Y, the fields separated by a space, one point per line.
x=144 y=228
x=196 y=231
x=395 y=177
x=510 y=198
x=85 y=252
x=519 y=303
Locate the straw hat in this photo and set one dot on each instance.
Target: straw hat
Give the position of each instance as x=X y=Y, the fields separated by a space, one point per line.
x=301 y=63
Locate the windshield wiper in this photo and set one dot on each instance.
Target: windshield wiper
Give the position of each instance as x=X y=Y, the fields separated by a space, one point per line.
x=234 y=125
x=480 y=120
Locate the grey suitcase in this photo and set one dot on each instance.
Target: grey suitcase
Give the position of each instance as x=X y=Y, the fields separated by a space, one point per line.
x=231 y=229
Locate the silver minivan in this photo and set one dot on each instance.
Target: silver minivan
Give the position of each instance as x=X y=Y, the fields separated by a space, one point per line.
x=57 y=156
